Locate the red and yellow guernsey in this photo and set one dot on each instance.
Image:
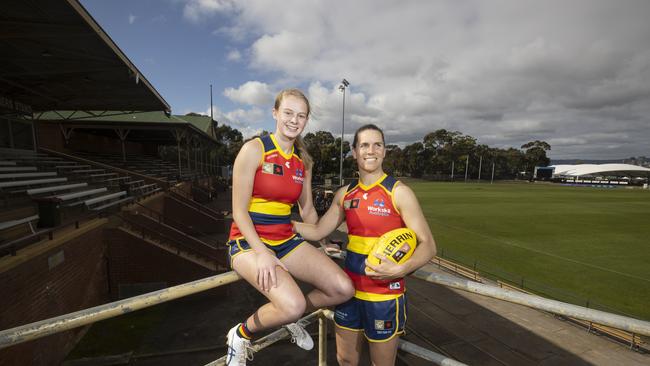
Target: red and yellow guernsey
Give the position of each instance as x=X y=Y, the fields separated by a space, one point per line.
x=370 y=212
x=277 y=187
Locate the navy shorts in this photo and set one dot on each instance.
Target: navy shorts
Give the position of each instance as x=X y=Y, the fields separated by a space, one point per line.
x=281 y=250
x=379 y=320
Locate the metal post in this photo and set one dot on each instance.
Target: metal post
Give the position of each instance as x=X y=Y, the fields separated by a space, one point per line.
x=452 y=170
x=342 y=87
x=466 y=166
x=187 y=149
x=480 y=164
x=322 y=341
x=178 y=150
x=492 y=179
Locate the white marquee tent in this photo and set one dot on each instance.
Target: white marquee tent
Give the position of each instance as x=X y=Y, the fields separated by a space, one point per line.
x=591 y=169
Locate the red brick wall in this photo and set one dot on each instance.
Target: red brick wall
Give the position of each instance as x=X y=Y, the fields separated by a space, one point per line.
x=133 y=261
x=33 y=291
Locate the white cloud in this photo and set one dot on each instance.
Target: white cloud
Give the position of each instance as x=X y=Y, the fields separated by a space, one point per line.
x=132 y=18
x=505 y=73
x=198 y=10
x=240 y=118
x=251 y=93
x=234 y=55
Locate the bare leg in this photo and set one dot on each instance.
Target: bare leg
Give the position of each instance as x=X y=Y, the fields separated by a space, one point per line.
x=309 y=264
x=383 y=353
x=287 y=301
x=348 y=346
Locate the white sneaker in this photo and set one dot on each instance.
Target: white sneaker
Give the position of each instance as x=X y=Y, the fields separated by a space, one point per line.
x=239 y=349
x=299 y=336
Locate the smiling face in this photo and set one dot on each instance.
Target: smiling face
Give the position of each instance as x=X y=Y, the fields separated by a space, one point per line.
x=369 y=151
x=290 y=116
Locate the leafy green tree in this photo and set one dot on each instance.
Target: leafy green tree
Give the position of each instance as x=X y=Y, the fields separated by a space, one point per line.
x=230 y=141
x=535 y=155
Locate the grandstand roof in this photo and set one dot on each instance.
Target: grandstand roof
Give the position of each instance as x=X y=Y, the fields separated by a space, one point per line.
x=589 y=169
x=144 y=126
x=56 y=57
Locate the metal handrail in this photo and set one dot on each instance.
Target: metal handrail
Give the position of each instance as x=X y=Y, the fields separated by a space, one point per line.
x=537 y=302
x=79 y=318
x=164 y=219
x=61 y=323
x=174 y=193
x=163 y=184
x=154 y=234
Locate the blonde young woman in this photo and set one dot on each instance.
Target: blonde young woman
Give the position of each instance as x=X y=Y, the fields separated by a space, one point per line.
x=270 y=175
x=371 y=206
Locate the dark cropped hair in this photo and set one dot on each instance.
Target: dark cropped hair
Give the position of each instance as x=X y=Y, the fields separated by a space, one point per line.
x=364 y=128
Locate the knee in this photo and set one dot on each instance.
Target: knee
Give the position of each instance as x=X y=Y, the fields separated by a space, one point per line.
x=293 y=308
x=344 y=288
x=345 y=360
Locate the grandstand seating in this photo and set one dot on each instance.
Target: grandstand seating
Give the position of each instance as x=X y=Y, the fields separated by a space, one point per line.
x=28 y=179
x=143 y=164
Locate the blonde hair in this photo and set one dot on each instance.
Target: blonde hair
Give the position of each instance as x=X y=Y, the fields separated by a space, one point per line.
x=299 y=143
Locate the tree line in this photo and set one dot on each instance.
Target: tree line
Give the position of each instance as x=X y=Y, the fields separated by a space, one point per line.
x=441 y=155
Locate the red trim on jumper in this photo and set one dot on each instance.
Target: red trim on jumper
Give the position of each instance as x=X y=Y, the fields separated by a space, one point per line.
x=367 y=284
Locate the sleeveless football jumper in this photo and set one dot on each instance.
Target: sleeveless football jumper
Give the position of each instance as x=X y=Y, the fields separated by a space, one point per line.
x=378 y=307
x=277 y=186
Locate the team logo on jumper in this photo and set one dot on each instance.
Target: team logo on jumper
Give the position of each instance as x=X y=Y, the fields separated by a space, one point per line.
x=270 y=168
x=378 y=208
x=394 y=286
x=298 y=177
x=348 y=204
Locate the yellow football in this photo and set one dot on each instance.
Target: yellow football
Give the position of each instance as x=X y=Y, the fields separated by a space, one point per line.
x=397 y=245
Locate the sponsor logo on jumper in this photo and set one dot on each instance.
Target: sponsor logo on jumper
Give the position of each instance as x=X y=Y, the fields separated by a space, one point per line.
x=298 y=177
x=272 y=156
x=353 y=191
x=394 y=286
x=378 y=208
x=365 y=196
x=286 y=163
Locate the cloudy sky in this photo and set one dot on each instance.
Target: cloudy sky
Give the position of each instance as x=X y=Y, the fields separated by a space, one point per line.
x=573 y=73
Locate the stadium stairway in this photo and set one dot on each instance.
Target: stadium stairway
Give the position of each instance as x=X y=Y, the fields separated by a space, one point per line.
x=138 y=223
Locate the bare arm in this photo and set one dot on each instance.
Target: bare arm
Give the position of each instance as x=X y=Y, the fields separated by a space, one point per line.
x=328 y=223
x=414 y=219
x=307 y=209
